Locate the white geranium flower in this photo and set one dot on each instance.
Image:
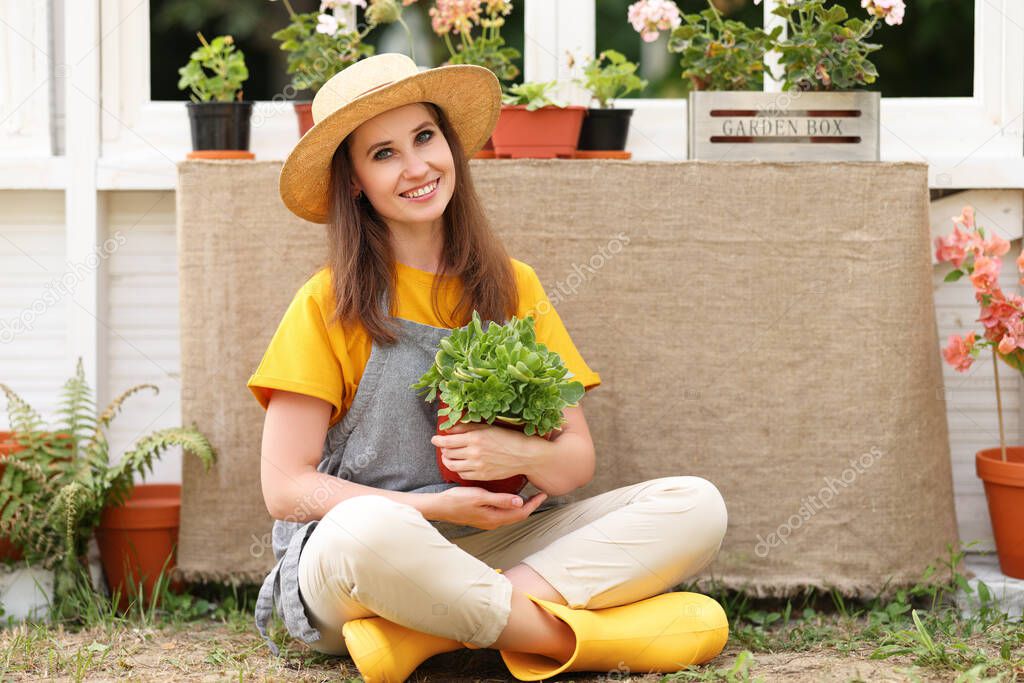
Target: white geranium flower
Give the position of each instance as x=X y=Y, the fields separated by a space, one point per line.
x=327 y=23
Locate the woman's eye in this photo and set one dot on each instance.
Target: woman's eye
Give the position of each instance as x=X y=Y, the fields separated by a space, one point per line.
x=378 y=156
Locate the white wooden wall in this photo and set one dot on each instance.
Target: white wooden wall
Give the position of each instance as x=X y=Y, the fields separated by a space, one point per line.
x=85 y=156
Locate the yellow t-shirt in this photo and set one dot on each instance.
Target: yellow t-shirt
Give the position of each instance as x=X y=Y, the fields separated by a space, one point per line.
x=309 y=356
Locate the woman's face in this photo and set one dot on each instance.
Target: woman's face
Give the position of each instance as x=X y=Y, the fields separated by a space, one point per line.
x=400 y=151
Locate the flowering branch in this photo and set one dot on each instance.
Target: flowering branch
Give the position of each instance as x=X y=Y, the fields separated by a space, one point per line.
x=974 y=254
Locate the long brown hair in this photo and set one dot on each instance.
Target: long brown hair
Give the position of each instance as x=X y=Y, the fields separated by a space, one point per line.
x=361 y=259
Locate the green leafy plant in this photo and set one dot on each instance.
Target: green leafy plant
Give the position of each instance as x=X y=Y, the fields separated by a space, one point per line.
x=534 y=94
x=215 y=71
x=487 y=49
x=53 y=491
x=610 y=81
x=826 y=48
x=320 y=44
x=720 y=54
x=501 y=374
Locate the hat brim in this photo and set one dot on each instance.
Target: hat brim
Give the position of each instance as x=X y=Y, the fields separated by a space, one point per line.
x=470 y=95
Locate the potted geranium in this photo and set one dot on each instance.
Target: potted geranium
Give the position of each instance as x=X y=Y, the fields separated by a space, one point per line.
x=501 y=376
x=533 y=125
x=487 y=49
x=324 y=42
x=605 y=128
x=218 y=116
x=977 y=255
x=60 y=495
x=823 y=112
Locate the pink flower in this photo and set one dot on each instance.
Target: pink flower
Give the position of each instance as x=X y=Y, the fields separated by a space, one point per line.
x=952 y=247
x=966 y=217
x=648 y=17
x=890 y=10
x=958 y=352
x=1013 y=339
x=995 y=246
x=986 y=274
x=454 y=16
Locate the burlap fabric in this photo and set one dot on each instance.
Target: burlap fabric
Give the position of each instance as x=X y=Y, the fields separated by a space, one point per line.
x=767 y=326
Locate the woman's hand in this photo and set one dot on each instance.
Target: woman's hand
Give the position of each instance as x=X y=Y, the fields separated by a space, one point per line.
x=483 y=509
x=482 y=452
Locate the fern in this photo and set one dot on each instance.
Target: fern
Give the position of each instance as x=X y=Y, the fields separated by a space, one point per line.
x=53 y=491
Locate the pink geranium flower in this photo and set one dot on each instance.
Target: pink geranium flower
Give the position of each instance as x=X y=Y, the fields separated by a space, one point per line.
x=890 y=10
x=958 y=352
x=649 y=17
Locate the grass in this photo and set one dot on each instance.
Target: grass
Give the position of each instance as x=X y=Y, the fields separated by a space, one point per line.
x=207 y=633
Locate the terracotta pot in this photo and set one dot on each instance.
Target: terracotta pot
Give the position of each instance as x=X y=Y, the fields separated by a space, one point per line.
x=1004 y=491
x=220 y=154
x=9 y=552
x=544 y=133
x=304 y=113
x=487 y=151
x=142 y=533
x=513 y=484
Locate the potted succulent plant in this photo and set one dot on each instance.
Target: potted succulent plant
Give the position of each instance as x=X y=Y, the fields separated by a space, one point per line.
x=57 y=496
x=218 y=116
x=322 y=43
x=605 y=128
x=979 y=256
x=532 y=125
x=487 y=49
x=501 y=376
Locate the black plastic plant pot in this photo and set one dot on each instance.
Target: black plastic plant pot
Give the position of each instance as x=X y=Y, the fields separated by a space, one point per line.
x=219 y=125
x=605 y=129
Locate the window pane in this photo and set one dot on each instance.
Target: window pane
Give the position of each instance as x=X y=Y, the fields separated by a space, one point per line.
x=173 y=24
x=935 y=39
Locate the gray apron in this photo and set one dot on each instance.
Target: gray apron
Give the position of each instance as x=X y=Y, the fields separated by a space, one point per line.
x=382 y=441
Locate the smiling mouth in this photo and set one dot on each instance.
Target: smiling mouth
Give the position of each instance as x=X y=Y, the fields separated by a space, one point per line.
x=422 y=191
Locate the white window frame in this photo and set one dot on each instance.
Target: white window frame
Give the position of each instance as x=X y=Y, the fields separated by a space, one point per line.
x=968 y=142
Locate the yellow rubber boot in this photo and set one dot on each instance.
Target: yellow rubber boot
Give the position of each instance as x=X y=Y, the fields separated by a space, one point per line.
x=661 y=634
x=386 y=652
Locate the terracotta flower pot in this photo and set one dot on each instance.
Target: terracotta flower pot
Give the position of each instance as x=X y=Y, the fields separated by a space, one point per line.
x=142 y=533
x=513 y=484
x=9 y=552
x=1004 y=491
x=304 y=114
x=544 y=133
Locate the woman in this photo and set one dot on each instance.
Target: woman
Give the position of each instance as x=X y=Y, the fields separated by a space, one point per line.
x=378 y=557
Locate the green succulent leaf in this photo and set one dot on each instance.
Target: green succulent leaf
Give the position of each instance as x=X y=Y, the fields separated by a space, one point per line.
x=500 y=373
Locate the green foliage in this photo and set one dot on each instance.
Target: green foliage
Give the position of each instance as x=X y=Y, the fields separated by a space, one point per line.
x=616 y=79
x=54 y=490
x=502 y=374
x=215 y=71
x=532 y=93
x=314 y=57
x=720 y=54
x=488 y=49
x=825 y=49
x=490 y=53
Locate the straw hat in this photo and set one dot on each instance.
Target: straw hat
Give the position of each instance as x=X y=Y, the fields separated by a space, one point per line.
x=469 y=95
